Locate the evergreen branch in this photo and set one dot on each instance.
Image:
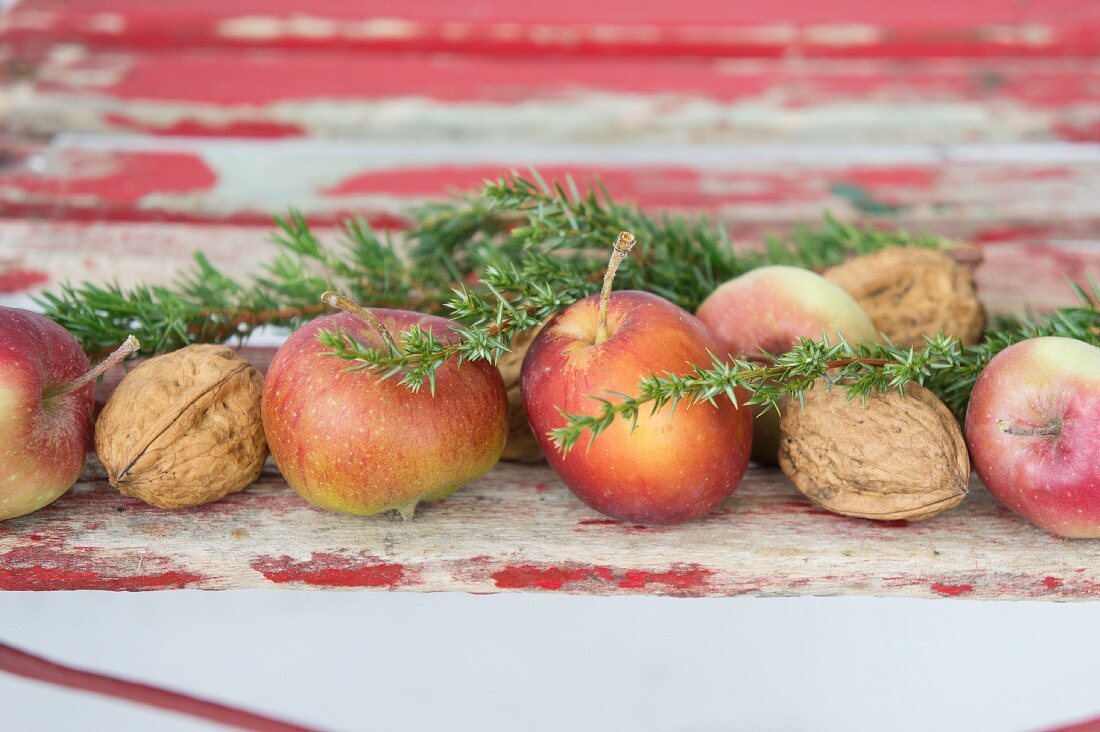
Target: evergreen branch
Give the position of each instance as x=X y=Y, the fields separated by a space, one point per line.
x=205 y=305
x=685 y=259
x=944 y=366
x=513 y=300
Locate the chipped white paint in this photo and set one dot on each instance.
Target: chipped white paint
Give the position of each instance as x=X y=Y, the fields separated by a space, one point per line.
x=268 y=28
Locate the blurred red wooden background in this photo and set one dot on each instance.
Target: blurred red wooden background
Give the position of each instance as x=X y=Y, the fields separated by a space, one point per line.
x=135 y=131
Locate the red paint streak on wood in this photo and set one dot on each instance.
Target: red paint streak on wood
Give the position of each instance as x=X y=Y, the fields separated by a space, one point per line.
x=528 y=576
x=709 y=27
x=49 y=566
x=598 y=522
x=895 y=524
x=907 y=176
x=30 y=666
x=324 y=569
x=691 y=577
x=198 y=128
x=1052 y=583
x=21 y=280
x=952 y=590
x=114 y=178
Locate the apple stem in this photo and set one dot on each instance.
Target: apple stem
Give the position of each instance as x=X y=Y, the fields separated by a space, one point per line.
x=623 y=245
x=1049 y=431
x=129 y=346
x=345 y=303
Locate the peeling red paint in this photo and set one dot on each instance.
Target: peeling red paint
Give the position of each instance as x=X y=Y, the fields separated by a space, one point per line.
x=528 y=576
x=114 y=178
x=952 y=590
x=324 y=569
x=979 y=30
x=49 y=566
x=691 y=577
x=1052 y=583
x=21 y=280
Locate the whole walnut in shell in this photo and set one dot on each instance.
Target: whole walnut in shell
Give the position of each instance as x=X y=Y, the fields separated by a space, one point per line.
x=888 y=457
x=522 y=446
x=184 y=428
x=910 y=293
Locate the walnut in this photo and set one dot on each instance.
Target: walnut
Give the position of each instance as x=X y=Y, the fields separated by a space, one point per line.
x=184 y=428
x=889 y=457
x=909 y=292
x=522 y=446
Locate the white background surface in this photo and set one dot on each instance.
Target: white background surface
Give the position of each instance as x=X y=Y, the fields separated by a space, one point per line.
x=382 y=661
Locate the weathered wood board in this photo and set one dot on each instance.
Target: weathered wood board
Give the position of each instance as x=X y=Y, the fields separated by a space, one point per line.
x=842 y=28
x=974 y=192
x=43 y=255
x=538 y=98
x=519 y=529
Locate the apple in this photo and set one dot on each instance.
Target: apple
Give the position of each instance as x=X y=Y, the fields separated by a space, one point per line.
x=1033 y=429
x=46 y=403
x=676 y=465
x=350 y=442
x=769 y=309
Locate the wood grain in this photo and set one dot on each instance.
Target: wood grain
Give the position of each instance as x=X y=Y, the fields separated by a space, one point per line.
x=519 y=529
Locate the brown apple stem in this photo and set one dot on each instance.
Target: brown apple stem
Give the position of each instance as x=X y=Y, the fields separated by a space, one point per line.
x=1052 y=430
x=345 y=303
x=129 y=346
x=623 y=245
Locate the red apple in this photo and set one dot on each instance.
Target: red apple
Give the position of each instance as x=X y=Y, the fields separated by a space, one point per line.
x=46 y=404
x=770 y=308
x=1033 y=429
x=676 y=465
x=349 y=442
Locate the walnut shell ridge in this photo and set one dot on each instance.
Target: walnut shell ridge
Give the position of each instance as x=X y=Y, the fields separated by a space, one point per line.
x=886 y=458
x=910 y=293
x=184 y=428
x=522 y=446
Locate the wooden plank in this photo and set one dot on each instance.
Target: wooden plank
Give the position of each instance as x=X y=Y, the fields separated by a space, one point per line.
x=41 y=255
x=549 y=98
x=519 y=529
x=976 y=192
x=860 y=28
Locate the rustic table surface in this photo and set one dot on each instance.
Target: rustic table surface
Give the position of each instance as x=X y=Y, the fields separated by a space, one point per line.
x=136 y=132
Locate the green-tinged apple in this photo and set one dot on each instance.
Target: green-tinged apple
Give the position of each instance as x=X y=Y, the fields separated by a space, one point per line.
x=769 y=309
x=348 y=441
x=675 y=465
x=1033 y=429
x=46 y=403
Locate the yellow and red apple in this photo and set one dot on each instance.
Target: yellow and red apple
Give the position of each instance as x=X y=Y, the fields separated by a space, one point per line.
x=769 y=309
x=347 y=441
x=1033 y=429
x=673 y=466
